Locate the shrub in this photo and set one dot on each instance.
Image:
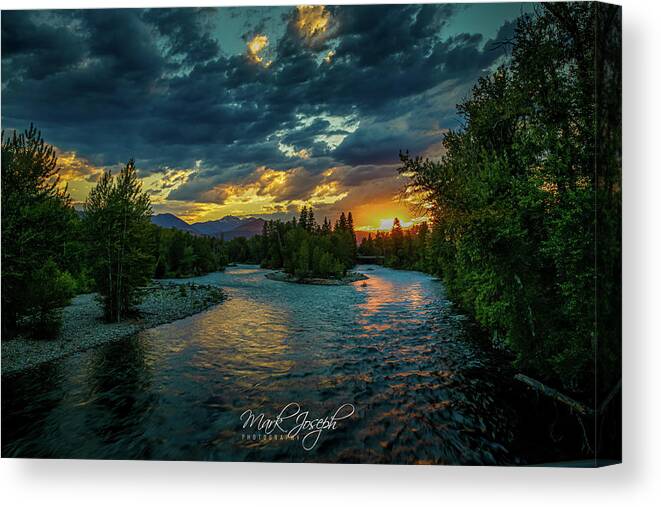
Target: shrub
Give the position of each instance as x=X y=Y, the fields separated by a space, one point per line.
x=49 y=289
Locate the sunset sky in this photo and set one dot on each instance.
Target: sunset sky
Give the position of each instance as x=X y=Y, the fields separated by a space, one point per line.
x=251 y=111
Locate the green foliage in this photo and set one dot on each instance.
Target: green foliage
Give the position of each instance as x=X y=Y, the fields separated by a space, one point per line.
x=76 y=256
x=50 y=253
x=49 y=289
x=117 y=221
x=400 y=249
x=180 y=254
x=245 y=250
x=513 y=199
x=36 y=213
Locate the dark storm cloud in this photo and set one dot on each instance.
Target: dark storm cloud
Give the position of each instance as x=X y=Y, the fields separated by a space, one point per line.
x=156 y=85
x=373 y=35
x=39 y=48
x=186 y=32
x=361 y=174
x=373 y=145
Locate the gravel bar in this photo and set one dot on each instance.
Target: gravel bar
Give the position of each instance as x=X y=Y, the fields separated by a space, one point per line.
x=83 y=326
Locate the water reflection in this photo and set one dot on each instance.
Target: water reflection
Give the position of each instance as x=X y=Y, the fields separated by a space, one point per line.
x=392 y=347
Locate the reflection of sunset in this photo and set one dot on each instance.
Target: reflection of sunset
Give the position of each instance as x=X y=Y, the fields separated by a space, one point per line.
x=242 y=319
x=379 y=292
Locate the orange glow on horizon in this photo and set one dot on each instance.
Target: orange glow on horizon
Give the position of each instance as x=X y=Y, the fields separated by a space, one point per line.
x=379 y=215
x=265 y=192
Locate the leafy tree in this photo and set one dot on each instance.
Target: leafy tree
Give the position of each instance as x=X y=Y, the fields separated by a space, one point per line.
x=36 y=215
x=117 y=218
x=512 y=202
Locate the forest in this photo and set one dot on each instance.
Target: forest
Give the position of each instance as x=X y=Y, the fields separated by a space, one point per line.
x=525 y=204
x=399 y=248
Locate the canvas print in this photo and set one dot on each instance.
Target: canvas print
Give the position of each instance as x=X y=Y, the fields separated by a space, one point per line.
x=375 y=234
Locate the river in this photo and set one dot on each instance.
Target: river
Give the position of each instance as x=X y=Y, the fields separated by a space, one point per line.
x=393 y=350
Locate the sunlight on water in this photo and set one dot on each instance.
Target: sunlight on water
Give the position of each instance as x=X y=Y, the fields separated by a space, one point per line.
x=392 y=347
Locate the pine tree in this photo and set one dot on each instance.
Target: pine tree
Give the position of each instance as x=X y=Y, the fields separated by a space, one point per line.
x=326 y=227
x=354 y=246
x=397 y=244
x=311 y=225
x=341 y=224
x=303 y=219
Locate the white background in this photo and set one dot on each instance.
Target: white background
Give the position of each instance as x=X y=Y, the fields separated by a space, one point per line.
x=636 y=482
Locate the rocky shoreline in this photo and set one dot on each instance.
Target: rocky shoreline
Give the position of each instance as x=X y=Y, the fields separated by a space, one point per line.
x=83 y=327
x=350 y=278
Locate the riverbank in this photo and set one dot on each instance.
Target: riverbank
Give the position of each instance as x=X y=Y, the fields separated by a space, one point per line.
x=83 y=326
x=350 y=277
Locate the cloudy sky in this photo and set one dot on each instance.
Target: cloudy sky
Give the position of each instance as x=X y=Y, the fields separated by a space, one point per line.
x=250 y=111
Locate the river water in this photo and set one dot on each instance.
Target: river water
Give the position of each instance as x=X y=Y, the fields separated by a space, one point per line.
x=392 y=354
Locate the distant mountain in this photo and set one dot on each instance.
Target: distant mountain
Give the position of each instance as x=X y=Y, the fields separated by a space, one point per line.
x=215 y=227
x=248 y=228
x=170 y=221
x=228 y=227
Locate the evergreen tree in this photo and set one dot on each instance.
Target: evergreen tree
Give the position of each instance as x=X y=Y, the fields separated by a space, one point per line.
x=354 y=245
x=326 y=227
x=312 y=224
x=301 y=248
x=303 y=219
x=341 y=224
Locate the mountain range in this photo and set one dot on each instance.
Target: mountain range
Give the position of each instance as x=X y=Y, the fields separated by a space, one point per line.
x=228 y=227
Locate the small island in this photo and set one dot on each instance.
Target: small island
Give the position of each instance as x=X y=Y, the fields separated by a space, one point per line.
x=347 y=279
x=305 y=252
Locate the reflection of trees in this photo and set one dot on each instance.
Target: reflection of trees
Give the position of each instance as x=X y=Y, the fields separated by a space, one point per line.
x=119 y=380
x=26 y=410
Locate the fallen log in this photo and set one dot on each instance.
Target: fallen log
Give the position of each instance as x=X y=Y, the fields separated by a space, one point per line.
x=555 y=394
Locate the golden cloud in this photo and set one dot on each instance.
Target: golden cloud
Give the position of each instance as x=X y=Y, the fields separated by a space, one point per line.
x=266 y=188
x=255 y=47
x=312 y=20
x=159 y=185
x=329 y=56
x=75 y=168
x=266 y=191
x=77 y=174
x=327 y=193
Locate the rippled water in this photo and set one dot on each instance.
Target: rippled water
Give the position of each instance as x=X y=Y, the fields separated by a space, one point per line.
x=392 y=347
